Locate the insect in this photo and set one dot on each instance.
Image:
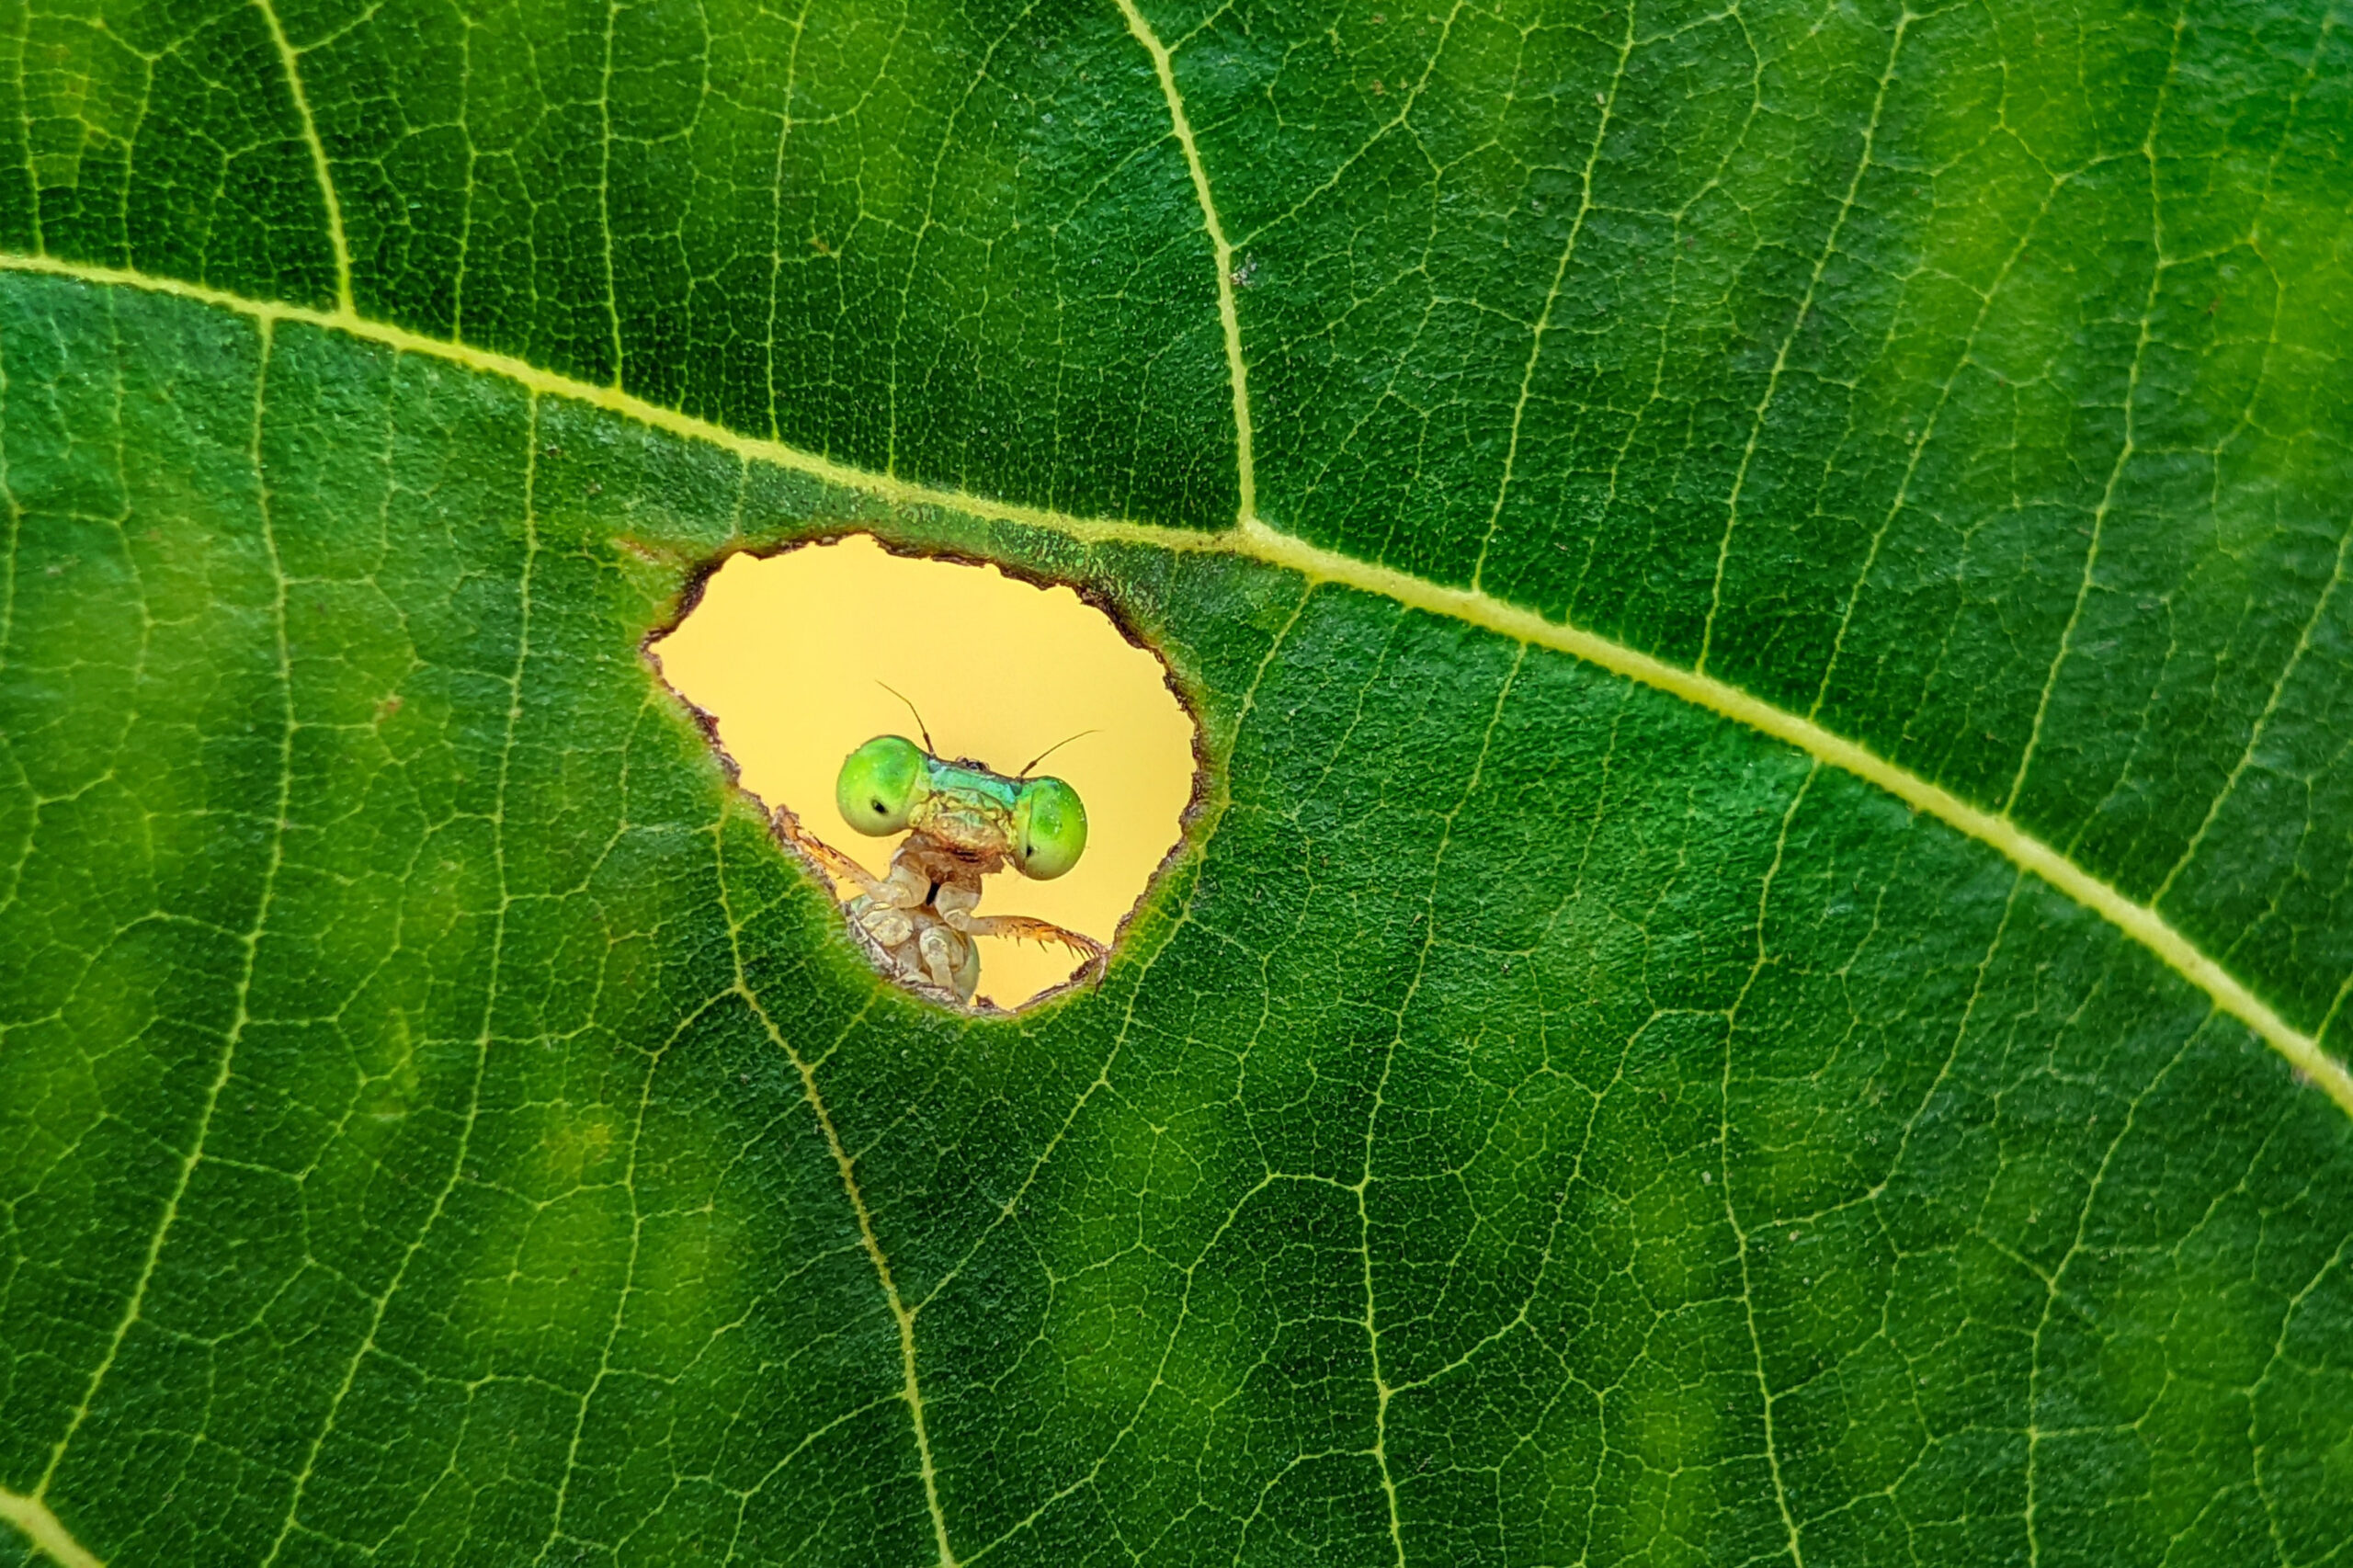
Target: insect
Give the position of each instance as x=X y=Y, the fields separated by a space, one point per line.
x=963 y=822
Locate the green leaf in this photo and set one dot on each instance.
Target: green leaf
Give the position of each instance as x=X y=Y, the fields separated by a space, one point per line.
x=1763 y=975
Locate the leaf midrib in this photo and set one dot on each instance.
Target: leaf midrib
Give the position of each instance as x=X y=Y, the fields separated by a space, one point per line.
x=1254 y=539
x=45 y=1530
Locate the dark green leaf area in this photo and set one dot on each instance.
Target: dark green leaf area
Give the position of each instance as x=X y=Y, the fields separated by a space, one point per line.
x=1969 y=378
x=1537 y=1122
x=160 y=137
x=961 y=247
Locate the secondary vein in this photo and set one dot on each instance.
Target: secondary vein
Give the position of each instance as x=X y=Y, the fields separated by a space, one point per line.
x=289 y=56
x=1236 y=371
x=249 y=959
x=911 y=1389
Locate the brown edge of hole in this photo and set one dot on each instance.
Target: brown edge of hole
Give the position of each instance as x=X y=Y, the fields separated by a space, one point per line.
x=1197 y=800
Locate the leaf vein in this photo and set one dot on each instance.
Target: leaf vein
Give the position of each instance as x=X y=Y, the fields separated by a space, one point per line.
x=2125 y=447
x=483 y=1035
x=250 y=939
x=289 y=57
x=1165 y=66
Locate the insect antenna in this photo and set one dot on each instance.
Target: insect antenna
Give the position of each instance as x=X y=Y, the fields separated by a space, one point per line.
x=1055 y=747
x=912 y=709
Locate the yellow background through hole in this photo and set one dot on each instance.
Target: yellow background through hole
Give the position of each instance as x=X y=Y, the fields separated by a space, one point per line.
x=786 y=654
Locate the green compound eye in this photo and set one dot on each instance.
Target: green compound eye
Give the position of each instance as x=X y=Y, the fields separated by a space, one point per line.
x=1048 y=828
x=880 y=782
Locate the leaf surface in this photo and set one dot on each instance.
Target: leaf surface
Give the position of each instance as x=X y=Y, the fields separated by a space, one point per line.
x=1761 y=978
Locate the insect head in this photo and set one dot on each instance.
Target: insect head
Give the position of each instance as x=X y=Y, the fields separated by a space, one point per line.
x=890 y=784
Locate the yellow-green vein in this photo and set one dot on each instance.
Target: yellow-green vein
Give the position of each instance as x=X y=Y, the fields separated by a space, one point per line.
x=2137 y=921
x=40 y=1526
x=289 y=57
x=1253 y=541
x=249 y=959
x=1246 y=480
x=910 y=1387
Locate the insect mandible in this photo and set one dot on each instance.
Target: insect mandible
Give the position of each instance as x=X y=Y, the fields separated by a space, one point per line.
x=963 y=822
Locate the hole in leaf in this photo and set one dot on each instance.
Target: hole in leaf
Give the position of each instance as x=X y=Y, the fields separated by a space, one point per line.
x=795 y=657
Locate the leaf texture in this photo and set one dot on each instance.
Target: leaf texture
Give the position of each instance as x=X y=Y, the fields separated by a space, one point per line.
x=1542 y=1118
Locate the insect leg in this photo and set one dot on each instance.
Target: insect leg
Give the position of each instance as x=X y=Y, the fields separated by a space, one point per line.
x=830 y=860
x=1023 y=929
x=955 y=906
